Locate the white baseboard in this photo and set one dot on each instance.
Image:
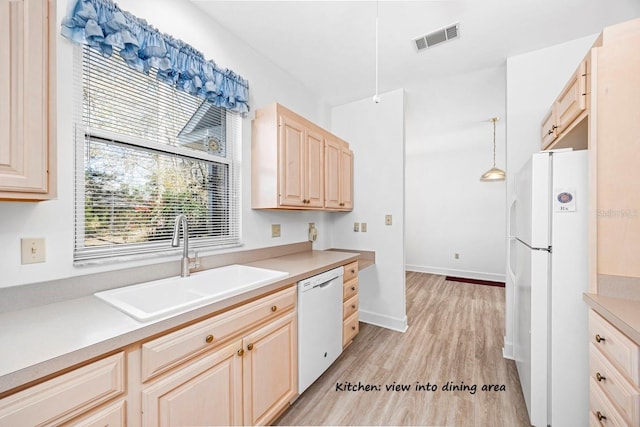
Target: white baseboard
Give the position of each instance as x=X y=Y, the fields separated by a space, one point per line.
x=383 y=320
x=456 y=273
x=507 y=350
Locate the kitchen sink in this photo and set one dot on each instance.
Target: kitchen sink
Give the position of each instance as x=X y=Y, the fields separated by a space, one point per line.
x=159 y=298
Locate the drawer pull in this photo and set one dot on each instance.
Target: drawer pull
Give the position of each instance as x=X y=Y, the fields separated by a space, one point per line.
x=241 y=352
x=353 y=328
x=250 y=347
x=353 y=288
x=600 y=377
x=353 y=306
x=353 y=271
x=274 y=308
x=600 y=416
x=599 y=338
x=209 y=339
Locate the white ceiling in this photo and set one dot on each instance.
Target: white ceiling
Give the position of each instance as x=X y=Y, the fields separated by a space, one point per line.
x=330 y=45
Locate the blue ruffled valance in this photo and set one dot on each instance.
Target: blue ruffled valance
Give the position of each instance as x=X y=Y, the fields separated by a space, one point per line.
x=104 y=26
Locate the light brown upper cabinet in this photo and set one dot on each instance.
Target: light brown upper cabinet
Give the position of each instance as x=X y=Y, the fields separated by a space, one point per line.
x=614 y=145
x=27 y=100
x=296 y=164
x=338 y=176
x=568 y=110
x=606 y=120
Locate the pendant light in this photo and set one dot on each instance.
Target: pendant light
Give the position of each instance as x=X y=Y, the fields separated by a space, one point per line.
x=376 y=97
x=493 y=174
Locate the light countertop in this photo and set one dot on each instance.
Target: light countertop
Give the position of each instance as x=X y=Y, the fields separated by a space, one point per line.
x=622 y=313
x=42 y=340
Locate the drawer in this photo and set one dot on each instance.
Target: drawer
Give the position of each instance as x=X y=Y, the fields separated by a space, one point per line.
x=163 y=353
x=620 y=391
x=66 y=396
x=111 y=416
x=350 y=289
x=603 y=410
x=350 y=329
x=616 y=346
x=350 y=271
x=350 y=306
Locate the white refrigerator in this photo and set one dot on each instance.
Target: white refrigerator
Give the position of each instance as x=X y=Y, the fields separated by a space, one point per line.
x=548 y=260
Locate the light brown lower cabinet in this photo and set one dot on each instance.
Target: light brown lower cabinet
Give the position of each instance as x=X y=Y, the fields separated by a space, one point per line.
x=204 y=392
x=238 y=367
x=614 y=368
x=270 y=370
x=350 y=304
x=60 y=399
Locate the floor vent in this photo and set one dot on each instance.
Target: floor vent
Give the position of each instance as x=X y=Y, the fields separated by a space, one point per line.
x=440 y=36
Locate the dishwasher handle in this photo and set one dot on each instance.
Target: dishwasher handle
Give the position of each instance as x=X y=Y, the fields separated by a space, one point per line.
x=325 y=284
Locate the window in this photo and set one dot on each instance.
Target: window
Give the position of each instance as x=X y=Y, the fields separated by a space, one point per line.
x=147 y=152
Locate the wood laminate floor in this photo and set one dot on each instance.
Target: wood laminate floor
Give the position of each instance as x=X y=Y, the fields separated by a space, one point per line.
x=455 y=337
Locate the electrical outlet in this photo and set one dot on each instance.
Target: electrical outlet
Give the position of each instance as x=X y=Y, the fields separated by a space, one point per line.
x=356 y=226
x=388 y=220
x=456 y=255
x=363 y=227
x=275 y=230
x=33 y=251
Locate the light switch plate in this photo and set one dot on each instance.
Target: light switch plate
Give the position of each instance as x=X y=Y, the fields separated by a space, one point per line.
x=275 y=230
x=356 y=226
x=363 y=227
x=388 y=220
x=32 y=251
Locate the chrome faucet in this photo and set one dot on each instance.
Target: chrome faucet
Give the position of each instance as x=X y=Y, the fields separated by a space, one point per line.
x=185 y=266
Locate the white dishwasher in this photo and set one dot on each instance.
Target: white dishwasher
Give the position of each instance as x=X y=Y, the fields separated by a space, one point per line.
x=319 y=325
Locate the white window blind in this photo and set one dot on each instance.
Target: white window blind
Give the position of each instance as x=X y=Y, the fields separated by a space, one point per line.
x=145 y=154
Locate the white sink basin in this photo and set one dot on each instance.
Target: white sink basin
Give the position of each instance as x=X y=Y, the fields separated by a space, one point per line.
x=160 y=298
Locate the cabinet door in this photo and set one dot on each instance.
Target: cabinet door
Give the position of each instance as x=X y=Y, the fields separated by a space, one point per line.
x=292 y=162
x=549 y=129
x=314 y=185
x=205 y=392
x=332 y=174
x=572 y=100
x=270 y=370
x=346 y=178
x=24 y=98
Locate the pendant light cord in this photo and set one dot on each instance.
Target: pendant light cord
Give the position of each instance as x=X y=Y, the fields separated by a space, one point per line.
x=376 y=98
x=494 y=141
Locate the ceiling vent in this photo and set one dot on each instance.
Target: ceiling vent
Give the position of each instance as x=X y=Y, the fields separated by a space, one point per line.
x=440 y=36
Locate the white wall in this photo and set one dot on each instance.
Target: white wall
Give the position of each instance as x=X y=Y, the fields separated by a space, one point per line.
x=534 y=80
x=449 y=144
x=376 y=135
x=53 y=220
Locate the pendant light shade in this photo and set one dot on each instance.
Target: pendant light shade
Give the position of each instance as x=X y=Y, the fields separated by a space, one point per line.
x=493 y=174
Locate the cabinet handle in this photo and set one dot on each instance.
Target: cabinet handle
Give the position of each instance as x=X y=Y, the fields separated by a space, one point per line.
x=274 y=308
x=250 y=347
x=353 y=306
x=241 y=352
x=600 y=377
x=353 y=271
x=341 y=204
x=353 y=328
x=209 y=339
x=599 y=338
x=600 y=416
x=353 y=288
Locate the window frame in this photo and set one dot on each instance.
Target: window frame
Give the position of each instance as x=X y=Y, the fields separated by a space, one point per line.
x=129 y=251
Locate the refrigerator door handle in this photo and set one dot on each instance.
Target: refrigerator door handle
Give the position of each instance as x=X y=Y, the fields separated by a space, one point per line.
x=511 y=239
